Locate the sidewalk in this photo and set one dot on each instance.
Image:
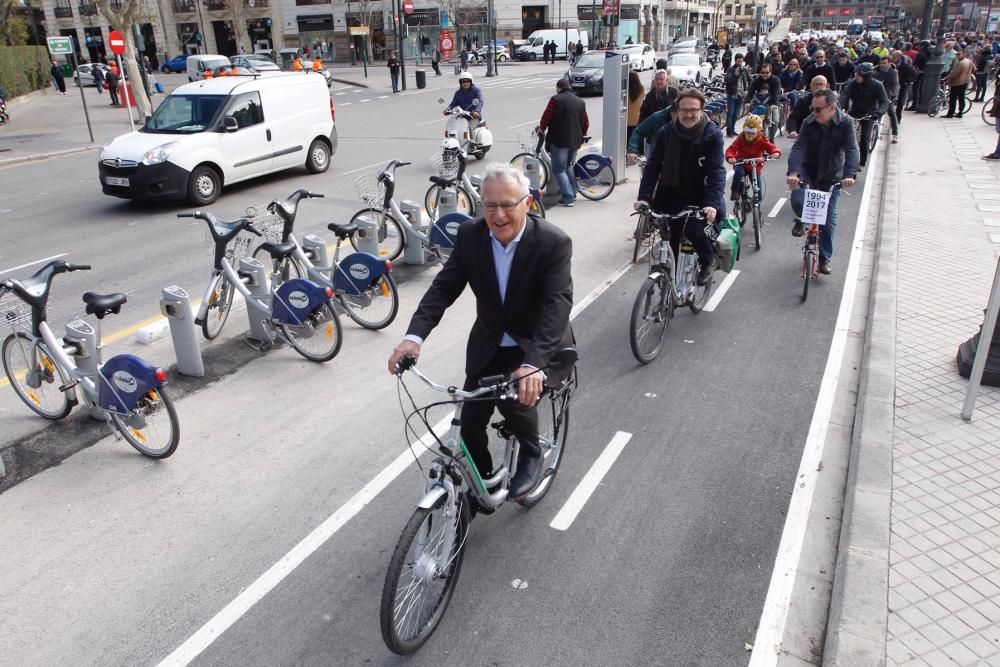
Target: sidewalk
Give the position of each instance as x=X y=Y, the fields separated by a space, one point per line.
x=918 y=569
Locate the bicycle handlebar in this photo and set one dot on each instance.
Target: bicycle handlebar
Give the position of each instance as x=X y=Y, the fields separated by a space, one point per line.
x=495 y=384
x=765 y=158
x=686 y=214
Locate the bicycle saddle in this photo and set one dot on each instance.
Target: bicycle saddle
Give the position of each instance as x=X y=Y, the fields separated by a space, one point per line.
x=443 y=182
x=279 y=250
x=343 y=231
x=100 y=305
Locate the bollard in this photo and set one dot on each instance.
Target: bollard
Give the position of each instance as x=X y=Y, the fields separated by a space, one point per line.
x=413 y=250
x=447 y=202
x=259 y=301
x=533 y=170
x=84 y=337
x=315 y=249
x=176 y=307
x=367 y=234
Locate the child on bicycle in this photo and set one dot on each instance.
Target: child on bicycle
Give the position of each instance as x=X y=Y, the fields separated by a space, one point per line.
x=750 y=143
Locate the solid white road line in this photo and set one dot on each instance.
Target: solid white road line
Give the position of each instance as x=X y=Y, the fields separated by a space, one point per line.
x=771 y=628
x=37 y=261
x=777 y=207
x=431 y=122
x=727 y=282
x=253 y=593
x=367 y=166
x=522 y=124
x=587 y=486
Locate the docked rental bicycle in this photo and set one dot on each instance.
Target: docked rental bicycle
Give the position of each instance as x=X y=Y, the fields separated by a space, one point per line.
x=810 y=245
x=594 y=173
x=750 y=197
x=298 y=311
x=46 y=371
x=669 y=284
x=362 y=283
x=428 y=557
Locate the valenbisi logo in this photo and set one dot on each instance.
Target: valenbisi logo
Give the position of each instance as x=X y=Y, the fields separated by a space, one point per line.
x=452 y=228
x=299 y=299
x=125 y=381
x=360 y=271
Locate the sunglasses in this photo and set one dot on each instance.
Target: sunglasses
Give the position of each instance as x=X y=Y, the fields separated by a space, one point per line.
x=816 y=109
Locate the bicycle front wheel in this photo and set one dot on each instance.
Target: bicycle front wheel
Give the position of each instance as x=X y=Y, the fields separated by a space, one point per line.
x=35 y=377
x=651 y=313
x=596 y=185
x=641 y=232
x=464 y=201
x=279 y=270
x=376 y=307
x=319 y=337
x=389 y=232
x=518 y=163
x=934 y=107
x=220 y=303
x=152 y=426
x=989 y=120
x=808 y=268
x=758 y=225
x=553 y=425
x=422 y=574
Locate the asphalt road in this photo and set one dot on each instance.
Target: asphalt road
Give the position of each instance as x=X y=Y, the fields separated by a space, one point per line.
x=667 y=563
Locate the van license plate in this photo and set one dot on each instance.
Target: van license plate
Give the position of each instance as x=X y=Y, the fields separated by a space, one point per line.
x=112 y=180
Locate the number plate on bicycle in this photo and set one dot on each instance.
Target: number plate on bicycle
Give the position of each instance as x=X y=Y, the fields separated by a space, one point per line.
x=814 y=207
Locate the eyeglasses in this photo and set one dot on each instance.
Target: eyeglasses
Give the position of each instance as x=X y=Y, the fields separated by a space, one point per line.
x=818 y=109
x=689 y=111
x=506 y=205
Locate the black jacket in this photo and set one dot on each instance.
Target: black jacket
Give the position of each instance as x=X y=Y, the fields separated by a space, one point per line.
x=861 y=99
x=566 y=127
x=702 y=173
x=799 y=113
x=655 y=101
x=890 y=81
x=815 y=69
x=825 y=154
x=842 y=72
x=737 y=79
x=538 y=300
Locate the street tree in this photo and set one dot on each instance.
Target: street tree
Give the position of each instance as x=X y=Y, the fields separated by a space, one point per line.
x=365 y=10
x=459 y=11
x=238 y=12
x=13 y=27
x=128 y=14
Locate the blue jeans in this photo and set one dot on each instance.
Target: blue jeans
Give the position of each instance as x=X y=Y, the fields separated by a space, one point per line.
x=826 y=231
x=395 y=80
x=563 y=160
x=738 y=172
x=733 y=105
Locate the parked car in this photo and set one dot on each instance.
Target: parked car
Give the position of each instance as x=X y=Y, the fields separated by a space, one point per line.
x=84 y=73
x=688 y=67
x=196 y=65
x=208 y=134
x=688 y=45
x=587 y=73
x=479 y=55
x=175 y=64
x=640 y=56
x=255 y=61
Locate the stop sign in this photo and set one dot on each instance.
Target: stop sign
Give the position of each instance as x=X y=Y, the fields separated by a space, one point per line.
x=408 y=6
x=117 y=42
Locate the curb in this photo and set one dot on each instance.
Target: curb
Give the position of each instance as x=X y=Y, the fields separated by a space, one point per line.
x=349 y=82
x=857 y=628
x=45 y=156
x=21 y=100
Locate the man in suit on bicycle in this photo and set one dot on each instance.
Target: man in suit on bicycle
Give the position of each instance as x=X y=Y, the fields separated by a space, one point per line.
x=518 y=267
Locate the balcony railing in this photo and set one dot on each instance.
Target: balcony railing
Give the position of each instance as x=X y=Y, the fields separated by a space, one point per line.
x=215 y=5
x=257 y=4
x=63 y=12
x=184 y=6
x=117 y=5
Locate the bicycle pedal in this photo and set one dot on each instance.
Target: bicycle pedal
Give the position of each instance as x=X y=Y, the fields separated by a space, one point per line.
x=69 y=385
x=258 y=345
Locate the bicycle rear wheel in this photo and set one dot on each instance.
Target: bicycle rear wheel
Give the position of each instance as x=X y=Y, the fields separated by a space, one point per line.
x=934 y=106
x=464 y=201
x=989 y=120
x=595 y=186
x=389 y=232
x=553 y=425
x=279 y=270
x=35 y=377
x=376 y=307
x=518 y=163
x=319 y=337
x=152 y=426
x=758 y=225
x=651 y=313
x=421 y=578
x=220 y=303
x=641 y=233
x=808 y=268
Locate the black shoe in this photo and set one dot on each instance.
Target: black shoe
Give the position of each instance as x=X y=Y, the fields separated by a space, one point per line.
x=825 y=268
x=992 y=156
x=798 y=229
x=949 y=116
x=528 y=475
x=730 y=134
x=705 y=275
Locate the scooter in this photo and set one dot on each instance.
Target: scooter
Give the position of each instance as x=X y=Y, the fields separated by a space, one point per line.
x=476 y=142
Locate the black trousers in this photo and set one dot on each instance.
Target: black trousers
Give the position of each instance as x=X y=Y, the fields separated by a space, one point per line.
x=902 y=99
x=955 y=95
x=694 y=230
x=476 y=415
x=918 y=92
x=866 y=133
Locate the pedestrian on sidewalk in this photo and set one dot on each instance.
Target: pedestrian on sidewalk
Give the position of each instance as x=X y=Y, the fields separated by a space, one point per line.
x=112 y=79
x=393 y=64
x=958 y=80
x=564 y=123
x=58 y=79
x=825 y=152
x=982 y=73
x=889 y=76
x=995 y=112
x=436 y=61
x=98 y=73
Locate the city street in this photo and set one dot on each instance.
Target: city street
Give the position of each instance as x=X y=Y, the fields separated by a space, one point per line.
x=116 y=559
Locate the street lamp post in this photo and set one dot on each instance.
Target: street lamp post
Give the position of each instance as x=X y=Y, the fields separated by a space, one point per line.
x=491 y=58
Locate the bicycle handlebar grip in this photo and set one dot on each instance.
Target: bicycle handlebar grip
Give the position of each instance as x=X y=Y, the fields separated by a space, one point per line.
x=253 y=230
x=406 y=363
x=491 y=379
x=78 y=267
x=316 y=195
x=403 y=164
x=185 y=215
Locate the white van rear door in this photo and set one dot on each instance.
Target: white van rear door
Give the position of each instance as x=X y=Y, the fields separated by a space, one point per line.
x=247 y=151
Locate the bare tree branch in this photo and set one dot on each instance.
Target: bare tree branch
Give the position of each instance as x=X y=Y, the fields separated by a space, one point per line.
x=122 y=21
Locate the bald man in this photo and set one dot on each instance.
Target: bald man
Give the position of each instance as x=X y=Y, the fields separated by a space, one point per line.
x=802 y=109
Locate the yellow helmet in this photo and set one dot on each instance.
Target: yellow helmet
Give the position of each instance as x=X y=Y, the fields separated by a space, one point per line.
x=753 y=121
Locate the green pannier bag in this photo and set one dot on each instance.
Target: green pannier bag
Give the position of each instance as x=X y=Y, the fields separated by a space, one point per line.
x=727 y=245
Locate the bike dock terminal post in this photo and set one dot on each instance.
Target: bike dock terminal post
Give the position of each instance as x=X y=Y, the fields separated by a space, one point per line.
x=176 y=307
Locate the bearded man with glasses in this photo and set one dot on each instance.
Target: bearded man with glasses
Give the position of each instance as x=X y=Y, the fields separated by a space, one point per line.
x=825 y=152
x=518 y=267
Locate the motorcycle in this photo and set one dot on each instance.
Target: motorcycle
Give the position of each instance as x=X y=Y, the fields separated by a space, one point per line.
x=476 y=141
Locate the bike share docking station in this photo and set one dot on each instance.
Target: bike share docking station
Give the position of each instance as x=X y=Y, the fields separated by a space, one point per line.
x=615 y=110
x=81 y=344
x=175 y=305
x=253 y=275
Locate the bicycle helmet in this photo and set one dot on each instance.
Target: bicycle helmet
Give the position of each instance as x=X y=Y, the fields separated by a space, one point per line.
x=866 y=70
x=755 y=123
x=465 y=76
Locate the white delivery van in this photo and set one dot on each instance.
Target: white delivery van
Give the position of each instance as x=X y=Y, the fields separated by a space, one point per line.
x=196 y=65
x=532 y=50
x=208 y=134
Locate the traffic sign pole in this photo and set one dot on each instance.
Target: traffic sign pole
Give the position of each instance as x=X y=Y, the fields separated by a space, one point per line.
x=116 y=41
x=86 y=114
x=63 y=46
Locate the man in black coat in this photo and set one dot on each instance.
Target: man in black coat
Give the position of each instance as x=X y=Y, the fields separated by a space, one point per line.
x=564 y=122
x=518 y=267
x=659 y=97
x=818 y=66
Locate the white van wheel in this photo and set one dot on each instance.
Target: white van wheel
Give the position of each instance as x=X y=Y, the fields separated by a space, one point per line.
x=318 y=159
x=204 y=186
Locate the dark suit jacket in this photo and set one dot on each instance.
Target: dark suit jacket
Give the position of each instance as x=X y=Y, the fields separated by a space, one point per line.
x=538 y=301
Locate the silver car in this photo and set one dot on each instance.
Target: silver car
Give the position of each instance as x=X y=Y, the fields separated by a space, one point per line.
x=255 y=61
x=84 y=73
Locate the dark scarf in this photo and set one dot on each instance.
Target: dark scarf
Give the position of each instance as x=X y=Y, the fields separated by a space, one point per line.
x=670 y=171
